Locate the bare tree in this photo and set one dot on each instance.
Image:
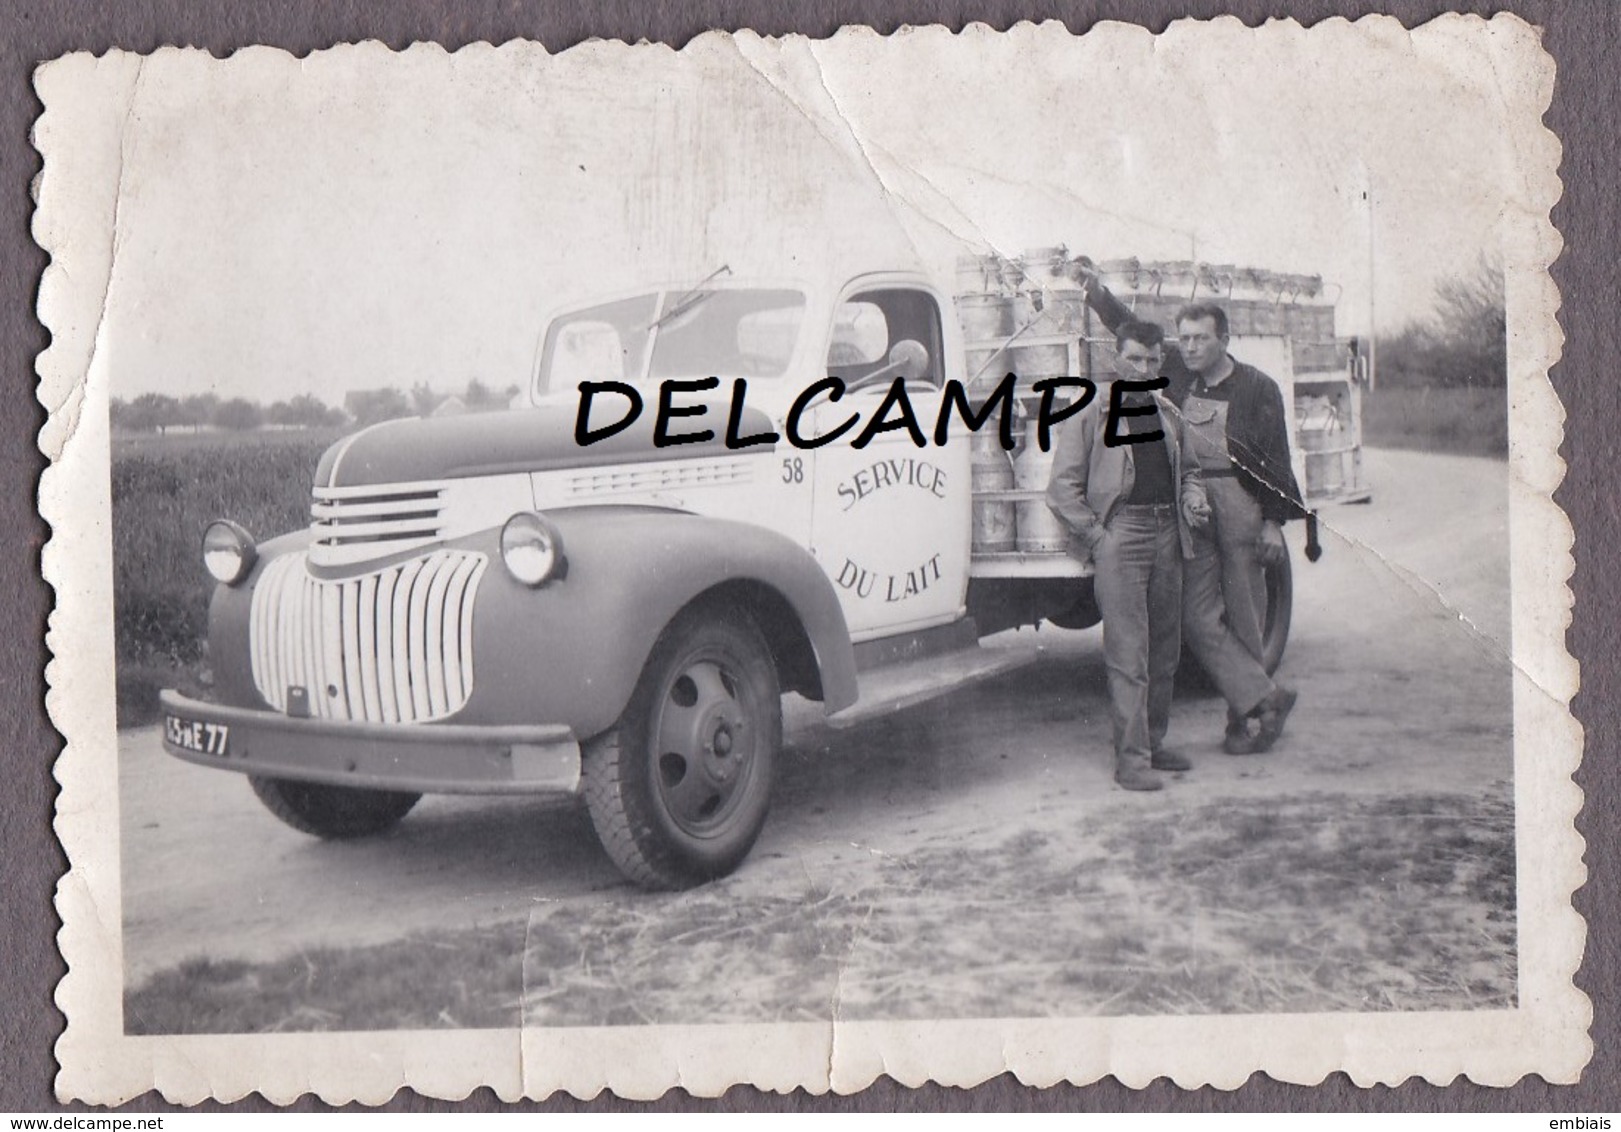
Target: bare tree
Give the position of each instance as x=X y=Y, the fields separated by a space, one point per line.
x=1464 y=342
x=425 y=399
x=153 y=412
x=368 y=406
x=1471 y=333
x=239 y=415
x=305 y=411
x=199 y=409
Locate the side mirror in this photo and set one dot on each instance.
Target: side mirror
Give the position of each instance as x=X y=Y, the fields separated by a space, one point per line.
x=909 y=359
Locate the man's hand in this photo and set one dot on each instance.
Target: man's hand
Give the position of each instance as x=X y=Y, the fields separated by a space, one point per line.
x=1270 y=548
x=1094 y=538
x=1195 y=512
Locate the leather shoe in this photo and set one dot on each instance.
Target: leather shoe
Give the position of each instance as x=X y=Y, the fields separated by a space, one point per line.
x=1170 y=760
x=1274 y=712
x=1132 y=773
x=1238 y=740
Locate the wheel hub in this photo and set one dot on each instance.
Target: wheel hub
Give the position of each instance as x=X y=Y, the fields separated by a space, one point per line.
x=705 y=741
x=724 y=737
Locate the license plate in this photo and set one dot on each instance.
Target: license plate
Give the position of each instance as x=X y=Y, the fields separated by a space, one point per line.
x=196 y=735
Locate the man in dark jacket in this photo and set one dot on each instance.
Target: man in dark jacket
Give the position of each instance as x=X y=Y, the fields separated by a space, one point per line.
x=1235 y=416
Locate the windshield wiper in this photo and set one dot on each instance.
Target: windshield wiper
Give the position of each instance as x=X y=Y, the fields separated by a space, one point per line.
x=690 y=298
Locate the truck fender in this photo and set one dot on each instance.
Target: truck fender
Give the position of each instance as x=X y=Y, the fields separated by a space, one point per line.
x=629 y=572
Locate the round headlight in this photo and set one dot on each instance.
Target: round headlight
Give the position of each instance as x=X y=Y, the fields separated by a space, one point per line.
x=228 y=551
x=531 y=548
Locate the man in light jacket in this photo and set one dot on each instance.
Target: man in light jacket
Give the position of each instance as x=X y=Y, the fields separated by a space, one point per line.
x=1126 y=483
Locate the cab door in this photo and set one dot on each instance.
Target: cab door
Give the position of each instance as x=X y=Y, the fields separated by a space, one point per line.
x=890 y=521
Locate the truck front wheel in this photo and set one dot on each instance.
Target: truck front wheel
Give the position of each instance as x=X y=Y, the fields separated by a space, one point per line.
x=678 y=789
x=333 y=812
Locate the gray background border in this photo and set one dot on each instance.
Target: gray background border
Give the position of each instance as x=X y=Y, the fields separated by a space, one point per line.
x=1581 y=34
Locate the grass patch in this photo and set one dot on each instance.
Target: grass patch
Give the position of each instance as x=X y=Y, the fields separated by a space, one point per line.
x=165 y=490
x=471 y=979
x=1460 y=421
x=1324 y=903
x=139 y=683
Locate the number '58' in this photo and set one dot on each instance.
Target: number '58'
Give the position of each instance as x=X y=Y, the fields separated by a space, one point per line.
x=793 y=470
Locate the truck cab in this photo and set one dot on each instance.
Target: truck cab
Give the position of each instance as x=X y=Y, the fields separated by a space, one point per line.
x=816 y=482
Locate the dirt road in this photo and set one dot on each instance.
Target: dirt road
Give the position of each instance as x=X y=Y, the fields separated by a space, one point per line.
x=1398 y=648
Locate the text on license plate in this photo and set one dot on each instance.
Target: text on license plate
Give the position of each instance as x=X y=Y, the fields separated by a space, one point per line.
x=195 y=735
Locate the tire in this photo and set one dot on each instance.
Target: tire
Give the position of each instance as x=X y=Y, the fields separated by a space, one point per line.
x=336 y=813
x=1083 y=614
x=678 y=790
x=1280 y=596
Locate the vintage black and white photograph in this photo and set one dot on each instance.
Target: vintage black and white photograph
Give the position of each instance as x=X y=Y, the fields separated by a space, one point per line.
x=790 y=560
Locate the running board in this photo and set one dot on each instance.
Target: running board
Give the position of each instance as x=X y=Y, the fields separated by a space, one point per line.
x=908 y=683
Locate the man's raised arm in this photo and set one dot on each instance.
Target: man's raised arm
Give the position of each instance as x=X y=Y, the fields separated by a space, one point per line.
x=1114 y=314
x=1111 y=310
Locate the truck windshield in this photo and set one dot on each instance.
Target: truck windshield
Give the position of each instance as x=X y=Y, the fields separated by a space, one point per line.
x=707 y=333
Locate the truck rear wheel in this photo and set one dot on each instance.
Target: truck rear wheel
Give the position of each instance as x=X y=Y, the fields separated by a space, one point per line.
x=1280 y=596
x=332 y=812
x=678 y=789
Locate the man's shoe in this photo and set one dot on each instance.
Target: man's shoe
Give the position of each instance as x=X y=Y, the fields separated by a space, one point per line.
x=1134 y=774
x=1238 y=740
x=1274 y=712
x=1170 y=760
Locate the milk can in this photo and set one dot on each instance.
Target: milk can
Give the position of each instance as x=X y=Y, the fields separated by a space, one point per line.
x=985 y=318
x=1045 y=267
x=1039 y=530
x=987 y=366
x=1036 y=361
x=1321 y=437
x=979 y=273
x=993 y=518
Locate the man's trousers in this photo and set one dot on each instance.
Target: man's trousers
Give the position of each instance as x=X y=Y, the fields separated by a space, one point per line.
x=1138 y=585
x=1224 y=597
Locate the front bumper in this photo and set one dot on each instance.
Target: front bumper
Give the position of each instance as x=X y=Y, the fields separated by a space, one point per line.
x=422 y=758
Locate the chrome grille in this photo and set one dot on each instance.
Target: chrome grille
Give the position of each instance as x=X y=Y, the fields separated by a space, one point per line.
x=392 y=646
x=353 y=524
x=659 y=477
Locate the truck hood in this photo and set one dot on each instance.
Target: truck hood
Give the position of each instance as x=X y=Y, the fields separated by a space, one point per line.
x=517 y=440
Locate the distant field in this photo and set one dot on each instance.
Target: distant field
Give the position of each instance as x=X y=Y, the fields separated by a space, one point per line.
x=178 y=441
x=165 y=490
x=1464 y=422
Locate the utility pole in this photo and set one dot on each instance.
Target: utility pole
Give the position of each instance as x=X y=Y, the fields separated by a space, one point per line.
x=1373 y=333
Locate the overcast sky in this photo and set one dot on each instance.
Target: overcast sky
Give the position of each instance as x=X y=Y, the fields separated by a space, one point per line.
x=359 y=218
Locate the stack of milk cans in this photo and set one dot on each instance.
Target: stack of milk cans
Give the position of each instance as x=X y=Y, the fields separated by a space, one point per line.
x=1025 y=315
